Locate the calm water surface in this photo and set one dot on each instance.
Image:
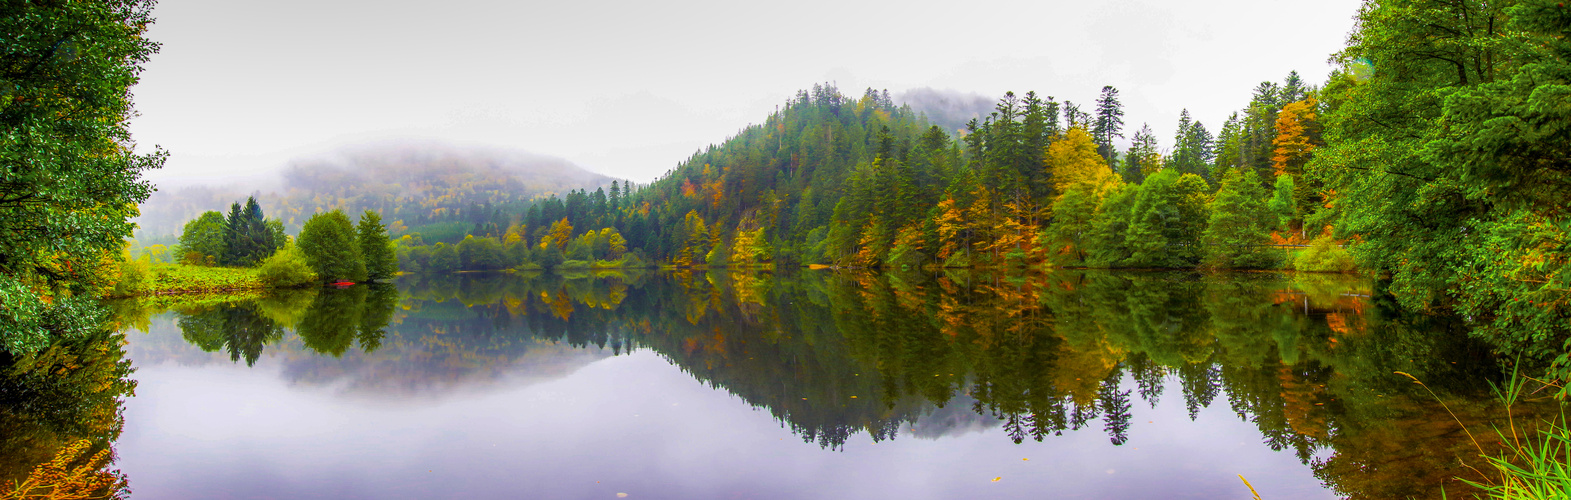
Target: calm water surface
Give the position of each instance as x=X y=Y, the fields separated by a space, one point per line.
x=812 y=385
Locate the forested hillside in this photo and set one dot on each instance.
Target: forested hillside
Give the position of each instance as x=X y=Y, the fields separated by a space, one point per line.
x=836 y=180
x=410 y=185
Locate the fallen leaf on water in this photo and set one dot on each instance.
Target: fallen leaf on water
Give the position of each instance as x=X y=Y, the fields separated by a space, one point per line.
x=1025 y=459
x=997 y=479
x=621 y=495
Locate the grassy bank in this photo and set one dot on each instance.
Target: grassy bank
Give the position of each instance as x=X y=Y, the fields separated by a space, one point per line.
x=176 y=279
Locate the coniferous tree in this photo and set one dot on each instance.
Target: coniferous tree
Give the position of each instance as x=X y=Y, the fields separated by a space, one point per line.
x=247 y=236
x=1144 y=158
x=1109 y=123
x=1192 y=149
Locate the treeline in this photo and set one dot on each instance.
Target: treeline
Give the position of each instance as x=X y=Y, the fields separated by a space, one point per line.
x=329 y=248
x=242 y=238
x=557 y=249
x=865 y=183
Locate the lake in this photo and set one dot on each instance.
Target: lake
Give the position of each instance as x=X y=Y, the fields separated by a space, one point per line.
x=676 y=385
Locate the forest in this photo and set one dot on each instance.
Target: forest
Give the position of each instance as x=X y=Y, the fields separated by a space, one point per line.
x=1434 y=158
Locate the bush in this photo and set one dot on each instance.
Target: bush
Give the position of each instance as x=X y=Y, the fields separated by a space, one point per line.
x=135 y=278
x=1324 y=256
x=286 y=268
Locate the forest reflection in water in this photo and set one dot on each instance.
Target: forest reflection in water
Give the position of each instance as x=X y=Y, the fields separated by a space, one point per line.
x=1307 y=359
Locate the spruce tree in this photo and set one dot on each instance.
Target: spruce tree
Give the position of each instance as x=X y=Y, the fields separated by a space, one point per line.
x=1109 y=122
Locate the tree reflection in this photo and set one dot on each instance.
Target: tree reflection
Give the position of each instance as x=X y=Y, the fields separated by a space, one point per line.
x=1307 y=360
x=327 y=321
x=68 y=394
x=237 y=328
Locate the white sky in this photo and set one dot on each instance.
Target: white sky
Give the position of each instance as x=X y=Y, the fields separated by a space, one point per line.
x=630 y=89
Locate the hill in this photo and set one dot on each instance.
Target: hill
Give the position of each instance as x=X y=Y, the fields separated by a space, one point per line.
x=419 y=184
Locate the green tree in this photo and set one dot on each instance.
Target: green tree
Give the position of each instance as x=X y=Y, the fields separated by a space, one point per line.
x=381 y=261
x=1109 y=122
x=444 y=259
x=1282 y=205
x=202 y=240
x=1108 y=244
x=1239 y=231
x=1143 y=157
x=247 y=237
x=286 y=268
x=1167 y=220
x=1445 y=147
x=1192 y=148
x=69 y=179
x=328 y=241
x=481 y=254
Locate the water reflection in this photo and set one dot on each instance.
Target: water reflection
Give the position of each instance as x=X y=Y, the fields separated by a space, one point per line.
x=1307 y=360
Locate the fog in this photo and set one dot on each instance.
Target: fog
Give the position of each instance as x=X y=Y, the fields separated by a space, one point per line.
x=631 y=89
x=376 y=175
x=950 y=109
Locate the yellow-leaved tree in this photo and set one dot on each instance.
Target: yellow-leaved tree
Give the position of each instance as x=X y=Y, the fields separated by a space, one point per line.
x=1082 y=179
x=1297 y=135
x=1072 y=159
x=557 y=236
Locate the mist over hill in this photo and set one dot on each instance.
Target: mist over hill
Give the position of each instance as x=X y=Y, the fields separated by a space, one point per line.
x=949 y=109
x=413 y=183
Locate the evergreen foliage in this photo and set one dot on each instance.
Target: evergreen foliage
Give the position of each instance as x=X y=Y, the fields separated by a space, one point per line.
x=247 y=236
x=1167 y=220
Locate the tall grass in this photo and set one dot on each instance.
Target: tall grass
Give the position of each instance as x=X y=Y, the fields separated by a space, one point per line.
x=1532 y=465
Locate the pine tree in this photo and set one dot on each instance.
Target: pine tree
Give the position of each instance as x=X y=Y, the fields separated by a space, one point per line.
x=1109 y=123
x=1144 y=157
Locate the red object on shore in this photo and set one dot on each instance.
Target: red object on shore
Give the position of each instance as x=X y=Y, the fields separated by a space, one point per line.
x=344 y=284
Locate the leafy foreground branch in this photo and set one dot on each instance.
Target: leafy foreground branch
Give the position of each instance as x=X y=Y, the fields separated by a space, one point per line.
x=70 y=476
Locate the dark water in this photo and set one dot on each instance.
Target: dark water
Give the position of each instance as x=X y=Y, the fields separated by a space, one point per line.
x=812 y=385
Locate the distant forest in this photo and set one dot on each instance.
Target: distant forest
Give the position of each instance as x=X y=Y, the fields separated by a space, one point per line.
x=430 y=188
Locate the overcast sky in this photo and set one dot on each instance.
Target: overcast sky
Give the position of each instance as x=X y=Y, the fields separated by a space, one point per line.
x=630 y=89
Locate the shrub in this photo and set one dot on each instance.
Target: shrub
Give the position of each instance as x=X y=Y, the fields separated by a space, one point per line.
x=286 y=268
x=135 y=278
x=1324 y=256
